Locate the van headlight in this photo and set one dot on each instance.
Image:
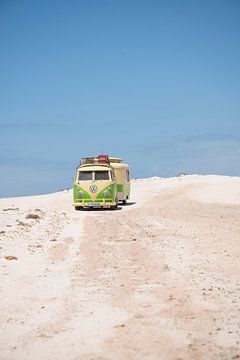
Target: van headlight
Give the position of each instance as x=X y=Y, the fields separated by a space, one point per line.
x=106 y=193
x=80 y=194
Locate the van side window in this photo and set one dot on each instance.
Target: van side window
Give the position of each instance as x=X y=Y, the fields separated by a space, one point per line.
x=127 y=176
x=112 y=176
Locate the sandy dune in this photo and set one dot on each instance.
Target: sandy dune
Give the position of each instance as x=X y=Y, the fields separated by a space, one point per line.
x=157 y=279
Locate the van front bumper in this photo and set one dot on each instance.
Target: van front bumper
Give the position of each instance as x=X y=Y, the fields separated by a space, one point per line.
x=95 y=204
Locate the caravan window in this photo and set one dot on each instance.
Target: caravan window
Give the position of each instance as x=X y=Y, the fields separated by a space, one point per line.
x=101 y=175
x=85 y=175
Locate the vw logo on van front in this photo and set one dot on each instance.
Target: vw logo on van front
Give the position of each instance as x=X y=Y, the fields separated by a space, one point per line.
x=93 y=188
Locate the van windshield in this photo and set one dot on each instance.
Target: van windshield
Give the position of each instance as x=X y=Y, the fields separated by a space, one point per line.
x=85 y=175
x=101 y=175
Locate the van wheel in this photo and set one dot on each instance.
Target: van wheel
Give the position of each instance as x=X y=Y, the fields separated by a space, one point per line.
x=77 y=207
x=114 y=207
x=124 y=201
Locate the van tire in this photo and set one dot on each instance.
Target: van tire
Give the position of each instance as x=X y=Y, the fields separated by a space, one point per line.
x=124 y=201
x=114 y=207
x=77 y=207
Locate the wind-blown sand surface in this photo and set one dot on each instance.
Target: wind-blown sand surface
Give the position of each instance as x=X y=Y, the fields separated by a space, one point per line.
x=158 y=279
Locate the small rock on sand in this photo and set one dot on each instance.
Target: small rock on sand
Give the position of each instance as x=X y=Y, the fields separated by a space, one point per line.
x=32 y=216
x=11 y=209
x=11 y=257
x=21 y=223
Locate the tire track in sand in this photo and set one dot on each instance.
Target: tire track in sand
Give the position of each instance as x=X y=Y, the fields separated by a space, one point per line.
x=156 y=263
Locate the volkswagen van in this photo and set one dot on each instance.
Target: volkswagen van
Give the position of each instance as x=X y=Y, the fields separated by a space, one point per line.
x=101 y=181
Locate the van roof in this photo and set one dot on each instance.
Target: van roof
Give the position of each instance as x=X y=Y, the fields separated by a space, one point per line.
x=101 y=161
x=94 y=167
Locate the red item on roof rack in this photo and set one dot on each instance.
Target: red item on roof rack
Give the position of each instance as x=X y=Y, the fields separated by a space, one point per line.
x=103 y=158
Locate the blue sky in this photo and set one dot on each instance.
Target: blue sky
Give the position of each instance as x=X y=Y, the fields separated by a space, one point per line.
x=156 y=82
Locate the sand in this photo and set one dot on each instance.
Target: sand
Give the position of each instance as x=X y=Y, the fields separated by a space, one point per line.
x=156 y=279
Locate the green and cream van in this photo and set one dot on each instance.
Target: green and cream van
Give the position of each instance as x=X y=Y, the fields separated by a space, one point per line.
x=101 y=182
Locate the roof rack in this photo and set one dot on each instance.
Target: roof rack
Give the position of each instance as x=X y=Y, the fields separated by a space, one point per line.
x=100 y=159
